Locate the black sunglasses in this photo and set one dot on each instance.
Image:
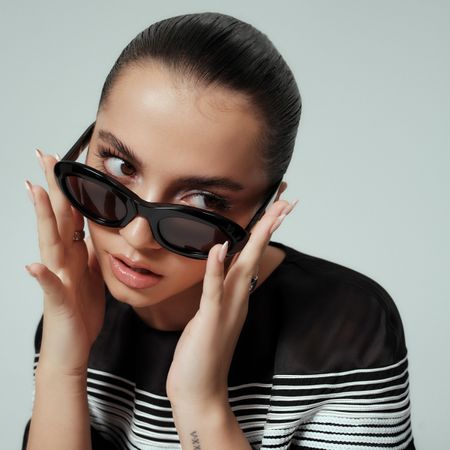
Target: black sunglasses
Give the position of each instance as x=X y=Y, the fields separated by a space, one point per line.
x=186 y=230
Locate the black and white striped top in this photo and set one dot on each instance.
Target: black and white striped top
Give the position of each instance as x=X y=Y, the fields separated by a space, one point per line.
x=321 y=363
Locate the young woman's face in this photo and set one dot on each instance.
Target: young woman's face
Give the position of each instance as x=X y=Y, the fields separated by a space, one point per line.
x=174 y=133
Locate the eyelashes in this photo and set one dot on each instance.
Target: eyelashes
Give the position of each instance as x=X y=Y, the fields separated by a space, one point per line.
x=209 y=200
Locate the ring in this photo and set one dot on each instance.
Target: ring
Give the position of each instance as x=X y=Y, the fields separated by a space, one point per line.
x=253 y=283
x=78 y=235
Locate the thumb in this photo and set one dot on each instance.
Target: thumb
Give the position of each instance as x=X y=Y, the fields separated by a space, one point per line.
x=50 y=283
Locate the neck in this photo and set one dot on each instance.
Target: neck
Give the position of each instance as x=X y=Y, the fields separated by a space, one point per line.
x=174 y=313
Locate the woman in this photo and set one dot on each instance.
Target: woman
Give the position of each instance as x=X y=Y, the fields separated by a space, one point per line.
x=171 y=324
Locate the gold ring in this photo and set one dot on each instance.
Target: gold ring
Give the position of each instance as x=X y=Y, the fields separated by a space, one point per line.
x=253 y=283
x=78 y=235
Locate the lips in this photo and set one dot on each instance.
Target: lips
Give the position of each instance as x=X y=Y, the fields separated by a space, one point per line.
x=135 y=265
x=136 y=278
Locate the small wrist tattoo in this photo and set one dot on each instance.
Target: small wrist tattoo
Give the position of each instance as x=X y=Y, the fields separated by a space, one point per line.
x=195 y=441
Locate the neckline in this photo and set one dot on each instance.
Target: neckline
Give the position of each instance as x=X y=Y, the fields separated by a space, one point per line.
x=289 y=254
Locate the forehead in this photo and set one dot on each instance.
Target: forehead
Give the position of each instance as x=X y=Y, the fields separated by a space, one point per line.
x=169 y=122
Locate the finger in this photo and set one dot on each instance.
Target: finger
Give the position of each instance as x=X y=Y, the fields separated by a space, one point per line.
x=93 y=268
x=50 y=283
x=285 y=212
x=274 y=211
x=68 y=218
x=247 y=263
x=92 y=256
x=259 y=238
x=78 y=218
x=50 y=245
x=212 y=293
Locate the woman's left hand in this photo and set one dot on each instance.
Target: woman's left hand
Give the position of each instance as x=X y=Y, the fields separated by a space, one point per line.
x=198 y=375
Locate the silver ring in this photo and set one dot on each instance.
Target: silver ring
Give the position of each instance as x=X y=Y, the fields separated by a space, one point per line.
x=253 y=283
x=78 y=235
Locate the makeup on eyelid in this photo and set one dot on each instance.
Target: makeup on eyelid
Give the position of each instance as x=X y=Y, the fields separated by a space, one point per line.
x=217 y=203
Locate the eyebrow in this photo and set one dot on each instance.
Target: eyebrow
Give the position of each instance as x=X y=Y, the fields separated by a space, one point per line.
x=126 y=151
x=189 y=181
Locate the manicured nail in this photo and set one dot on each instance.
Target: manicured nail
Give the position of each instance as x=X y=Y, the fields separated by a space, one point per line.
x=294 y=203
x=290 y=207
x=29 y=271
x=58 y=158
x=223 y=252
x=30 y=191
x=39 y=157
x=277 y=222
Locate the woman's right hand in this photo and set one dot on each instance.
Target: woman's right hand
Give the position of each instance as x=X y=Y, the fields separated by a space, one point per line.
x=70 y=277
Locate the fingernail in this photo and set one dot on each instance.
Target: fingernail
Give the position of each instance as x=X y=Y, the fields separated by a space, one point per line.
x=223 y=252
x=39 y=157
x=29 y=271
x=290 y=207
x=277 y=222
x=30 y=191
x=294 y=203
x=58 y=158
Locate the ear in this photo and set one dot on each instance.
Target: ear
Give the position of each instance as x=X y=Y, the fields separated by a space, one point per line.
x=281 y=189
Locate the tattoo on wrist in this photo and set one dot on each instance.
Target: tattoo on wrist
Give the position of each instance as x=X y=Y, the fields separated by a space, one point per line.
x=195 y=441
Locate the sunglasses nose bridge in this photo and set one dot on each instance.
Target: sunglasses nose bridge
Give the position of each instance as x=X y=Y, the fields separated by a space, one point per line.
x=149 y=213
x=137 y=235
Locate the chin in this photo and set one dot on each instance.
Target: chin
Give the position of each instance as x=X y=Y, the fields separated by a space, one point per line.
x=139 y=298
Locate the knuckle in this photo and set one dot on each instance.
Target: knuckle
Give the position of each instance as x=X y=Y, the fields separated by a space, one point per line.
x=244 y=270
x=64 y=211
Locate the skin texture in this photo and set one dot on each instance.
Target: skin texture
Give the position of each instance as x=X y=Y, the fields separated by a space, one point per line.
x=174 y=132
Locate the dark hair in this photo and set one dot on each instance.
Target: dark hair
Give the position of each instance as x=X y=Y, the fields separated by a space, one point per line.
x=214 y=48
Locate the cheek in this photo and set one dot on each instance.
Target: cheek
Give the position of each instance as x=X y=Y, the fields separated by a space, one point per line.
x=180 y=272
x=185 y=271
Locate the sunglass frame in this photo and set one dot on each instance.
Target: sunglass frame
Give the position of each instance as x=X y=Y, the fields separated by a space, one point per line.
x=152 y=211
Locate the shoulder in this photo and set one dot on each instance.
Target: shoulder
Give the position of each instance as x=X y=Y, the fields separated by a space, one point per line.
x=341 y=359
x=334 y=318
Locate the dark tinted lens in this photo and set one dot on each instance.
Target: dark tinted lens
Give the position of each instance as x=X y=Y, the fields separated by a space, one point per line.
x=188 y=234
x=96 y=198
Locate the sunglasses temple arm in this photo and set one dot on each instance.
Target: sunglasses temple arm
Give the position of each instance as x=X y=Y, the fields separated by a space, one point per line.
x=80 y=144
x=267 y=203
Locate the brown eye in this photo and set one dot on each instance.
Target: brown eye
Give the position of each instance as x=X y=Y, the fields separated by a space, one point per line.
x=118 y=167
x=207 y=200
x=115 y=165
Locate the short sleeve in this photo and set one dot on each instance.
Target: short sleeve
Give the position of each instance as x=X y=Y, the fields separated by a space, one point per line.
x=342 y=377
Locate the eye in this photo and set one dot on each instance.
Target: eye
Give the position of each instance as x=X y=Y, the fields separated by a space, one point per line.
x=207 y=200
x=114 y=165
x=117 y=167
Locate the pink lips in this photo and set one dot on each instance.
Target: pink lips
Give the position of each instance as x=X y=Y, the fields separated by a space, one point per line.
x=131 y=277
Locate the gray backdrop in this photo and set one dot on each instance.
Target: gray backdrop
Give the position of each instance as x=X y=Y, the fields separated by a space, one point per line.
x=371 y=165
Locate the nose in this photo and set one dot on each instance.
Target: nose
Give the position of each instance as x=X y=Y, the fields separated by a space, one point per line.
x=139 y=235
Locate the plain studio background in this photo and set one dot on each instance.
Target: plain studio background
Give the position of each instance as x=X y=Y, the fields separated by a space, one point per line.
x=371 y=165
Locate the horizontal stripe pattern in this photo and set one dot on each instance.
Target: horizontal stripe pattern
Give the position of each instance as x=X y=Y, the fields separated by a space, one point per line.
x=359 y=410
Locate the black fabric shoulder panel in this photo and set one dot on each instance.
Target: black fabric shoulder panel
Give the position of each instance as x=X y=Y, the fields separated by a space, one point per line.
x=334 y=318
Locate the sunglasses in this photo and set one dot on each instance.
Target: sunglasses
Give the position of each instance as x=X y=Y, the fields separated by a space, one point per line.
x=185 y=230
